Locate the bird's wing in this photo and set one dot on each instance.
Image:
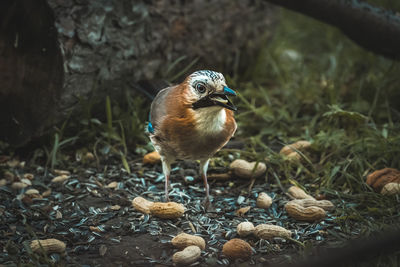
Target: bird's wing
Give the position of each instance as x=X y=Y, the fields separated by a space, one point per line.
x=158 y=108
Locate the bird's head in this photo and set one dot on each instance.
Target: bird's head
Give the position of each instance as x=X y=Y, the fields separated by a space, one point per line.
x=206 y=88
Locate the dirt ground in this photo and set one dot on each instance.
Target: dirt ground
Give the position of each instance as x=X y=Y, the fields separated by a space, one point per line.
x=101 y=228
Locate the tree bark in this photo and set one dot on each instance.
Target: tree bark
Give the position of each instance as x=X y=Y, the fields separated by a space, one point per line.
x=31 y=73
x=373 y=28
x=55 y=52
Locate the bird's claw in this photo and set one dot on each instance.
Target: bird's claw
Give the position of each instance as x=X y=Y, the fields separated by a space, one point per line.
x=208 y=206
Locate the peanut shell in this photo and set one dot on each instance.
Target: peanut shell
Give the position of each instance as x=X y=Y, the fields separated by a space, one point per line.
x=61 y=172
x=263 y=201
x=244 y=169
x=237 y=249
x=29 y=176
x=18 y=185
x=378 y=179
x=60 y=178
x=112 y=185
x=269 y=231
x=184 y=240
x=242 y=211
x=49 y=246
x=46 y=193
x=308 y=202
x=142 y=205
x=245 y=229
x=299 y=145
x=32 y=192
x=168 y=210
x=298 y=193
x=187 y=256
x=391 y=189
x=152 y=158
x=294 y=156
x=309 y=214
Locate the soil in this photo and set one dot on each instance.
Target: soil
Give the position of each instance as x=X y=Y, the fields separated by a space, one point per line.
x=81 y=212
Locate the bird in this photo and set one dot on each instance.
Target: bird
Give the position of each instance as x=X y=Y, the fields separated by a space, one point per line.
x=192 y=121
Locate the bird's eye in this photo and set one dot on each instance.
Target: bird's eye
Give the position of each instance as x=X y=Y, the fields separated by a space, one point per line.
x=200 y=88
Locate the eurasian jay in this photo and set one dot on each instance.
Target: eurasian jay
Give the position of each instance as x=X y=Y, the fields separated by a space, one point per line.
x=192 y=121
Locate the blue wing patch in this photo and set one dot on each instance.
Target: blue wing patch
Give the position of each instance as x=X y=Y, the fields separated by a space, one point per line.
x=150 y=126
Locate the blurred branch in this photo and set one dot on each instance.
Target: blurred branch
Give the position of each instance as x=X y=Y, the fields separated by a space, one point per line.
x=373 y=28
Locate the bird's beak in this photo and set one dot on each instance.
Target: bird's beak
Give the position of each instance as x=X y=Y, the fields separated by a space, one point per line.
x=229 y=91
x=221 y=98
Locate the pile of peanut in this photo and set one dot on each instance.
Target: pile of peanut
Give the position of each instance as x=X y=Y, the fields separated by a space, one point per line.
x=303 y=207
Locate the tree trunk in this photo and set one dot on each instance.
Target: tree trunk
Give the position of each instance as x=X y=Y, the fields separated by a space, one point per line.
x=54 y=52
x=31 y=73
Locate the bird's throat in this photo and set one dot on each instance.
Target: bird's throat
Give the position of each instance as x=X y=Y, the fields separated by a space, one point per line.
x=210 y=120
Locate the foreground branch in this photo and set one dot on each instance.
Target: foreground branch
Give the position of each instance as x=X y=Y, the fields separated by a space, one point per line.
x=373 y=28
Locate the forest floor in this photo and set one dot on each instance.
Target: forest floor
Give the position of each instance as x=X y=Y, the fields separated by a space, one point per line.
x=97 y=221
x=101 y=228
x=309 y=82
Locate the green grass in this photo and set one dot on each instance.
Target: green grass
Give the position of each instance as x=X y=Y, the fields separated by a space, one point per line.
x=312 y=83
x=104 y=127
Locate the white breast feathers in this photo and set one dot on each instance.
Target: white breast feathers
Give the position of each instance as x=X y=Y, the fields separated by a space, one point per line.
x=210 y=120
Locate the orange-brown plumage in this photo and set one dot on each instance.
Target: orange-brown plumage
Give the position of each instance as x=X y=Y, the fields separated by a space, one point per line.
x=192 y=122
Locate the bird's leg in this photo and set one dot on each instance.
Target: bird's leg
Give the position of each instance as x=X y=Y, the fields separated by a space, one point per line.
x=203 y=173
x=166 y=166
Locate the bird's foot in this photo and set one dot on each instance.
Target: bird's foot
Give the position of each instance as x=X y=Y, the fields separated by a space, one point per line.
x=208 y=206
